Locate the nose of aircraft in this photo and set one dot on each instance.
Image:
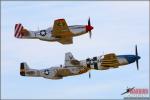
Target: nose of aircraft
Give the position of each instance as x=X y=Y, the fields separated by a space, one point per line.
x=138 y=57
x=132 y=58
x=89 y=27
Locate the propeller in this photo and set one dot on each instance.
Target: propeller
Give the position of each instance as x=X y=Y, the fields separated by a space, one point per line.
x=89 y=24
x=137 y=60
x=89 y=75
x=89 y=28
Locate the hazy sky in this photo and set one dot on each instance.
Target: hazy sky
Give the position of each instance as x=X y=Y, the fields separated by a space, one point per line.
x=118 y=26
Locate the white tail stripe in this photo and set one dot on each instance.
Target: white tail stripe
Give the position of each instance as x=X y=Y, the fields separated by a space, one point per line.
x=18 y=29
x=19 y=32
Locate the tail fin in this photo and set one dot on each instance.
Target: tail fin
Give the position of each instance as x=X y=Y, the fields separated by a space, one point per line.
x=23 y=68
x=26 y=71
x=69 y=56
x=20 y=31
x=70 y=60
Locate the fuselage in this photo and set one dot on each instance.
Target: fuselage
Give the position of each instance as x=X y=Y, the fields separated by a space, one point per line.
x=98 y=63
x=60 y=32
x=46 y=34
x=63 y=71
x=56 y=72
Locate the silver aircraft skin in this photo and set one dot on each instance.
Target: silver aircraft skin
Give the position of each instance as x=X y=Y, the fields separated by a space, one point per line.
x=73 y=66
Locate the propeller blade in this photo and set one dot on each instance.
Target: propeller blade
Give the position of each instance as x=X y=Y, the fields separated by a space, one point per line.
x=89 y=24
x=90 y=34
x=89 y=75
x=136 y=53
x=137 y=64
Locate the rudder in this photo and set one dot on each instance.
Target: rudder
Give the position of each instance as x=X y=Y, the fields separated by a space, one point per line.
x=18 y=29
x=70 y=60
x=23 y=68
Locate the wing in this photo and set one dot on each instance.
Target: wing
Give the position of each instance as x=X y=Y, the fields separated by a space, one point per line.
x=66 y=40
x=110 y=60
x=60 y=29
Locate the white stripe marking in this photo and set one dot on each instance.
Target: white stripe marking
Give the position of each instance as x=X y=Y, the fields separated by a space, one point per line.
x=17 y=27
x=19 y=31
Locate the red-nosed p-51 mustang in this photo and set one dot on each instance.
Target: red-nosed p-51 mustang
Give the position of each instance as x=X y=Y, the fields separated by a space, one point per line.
x=73 y=66
x=60 y=32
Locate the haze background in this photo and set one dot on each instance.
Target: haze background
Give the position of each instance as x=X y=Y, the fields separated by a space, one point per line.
x=118 y=26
